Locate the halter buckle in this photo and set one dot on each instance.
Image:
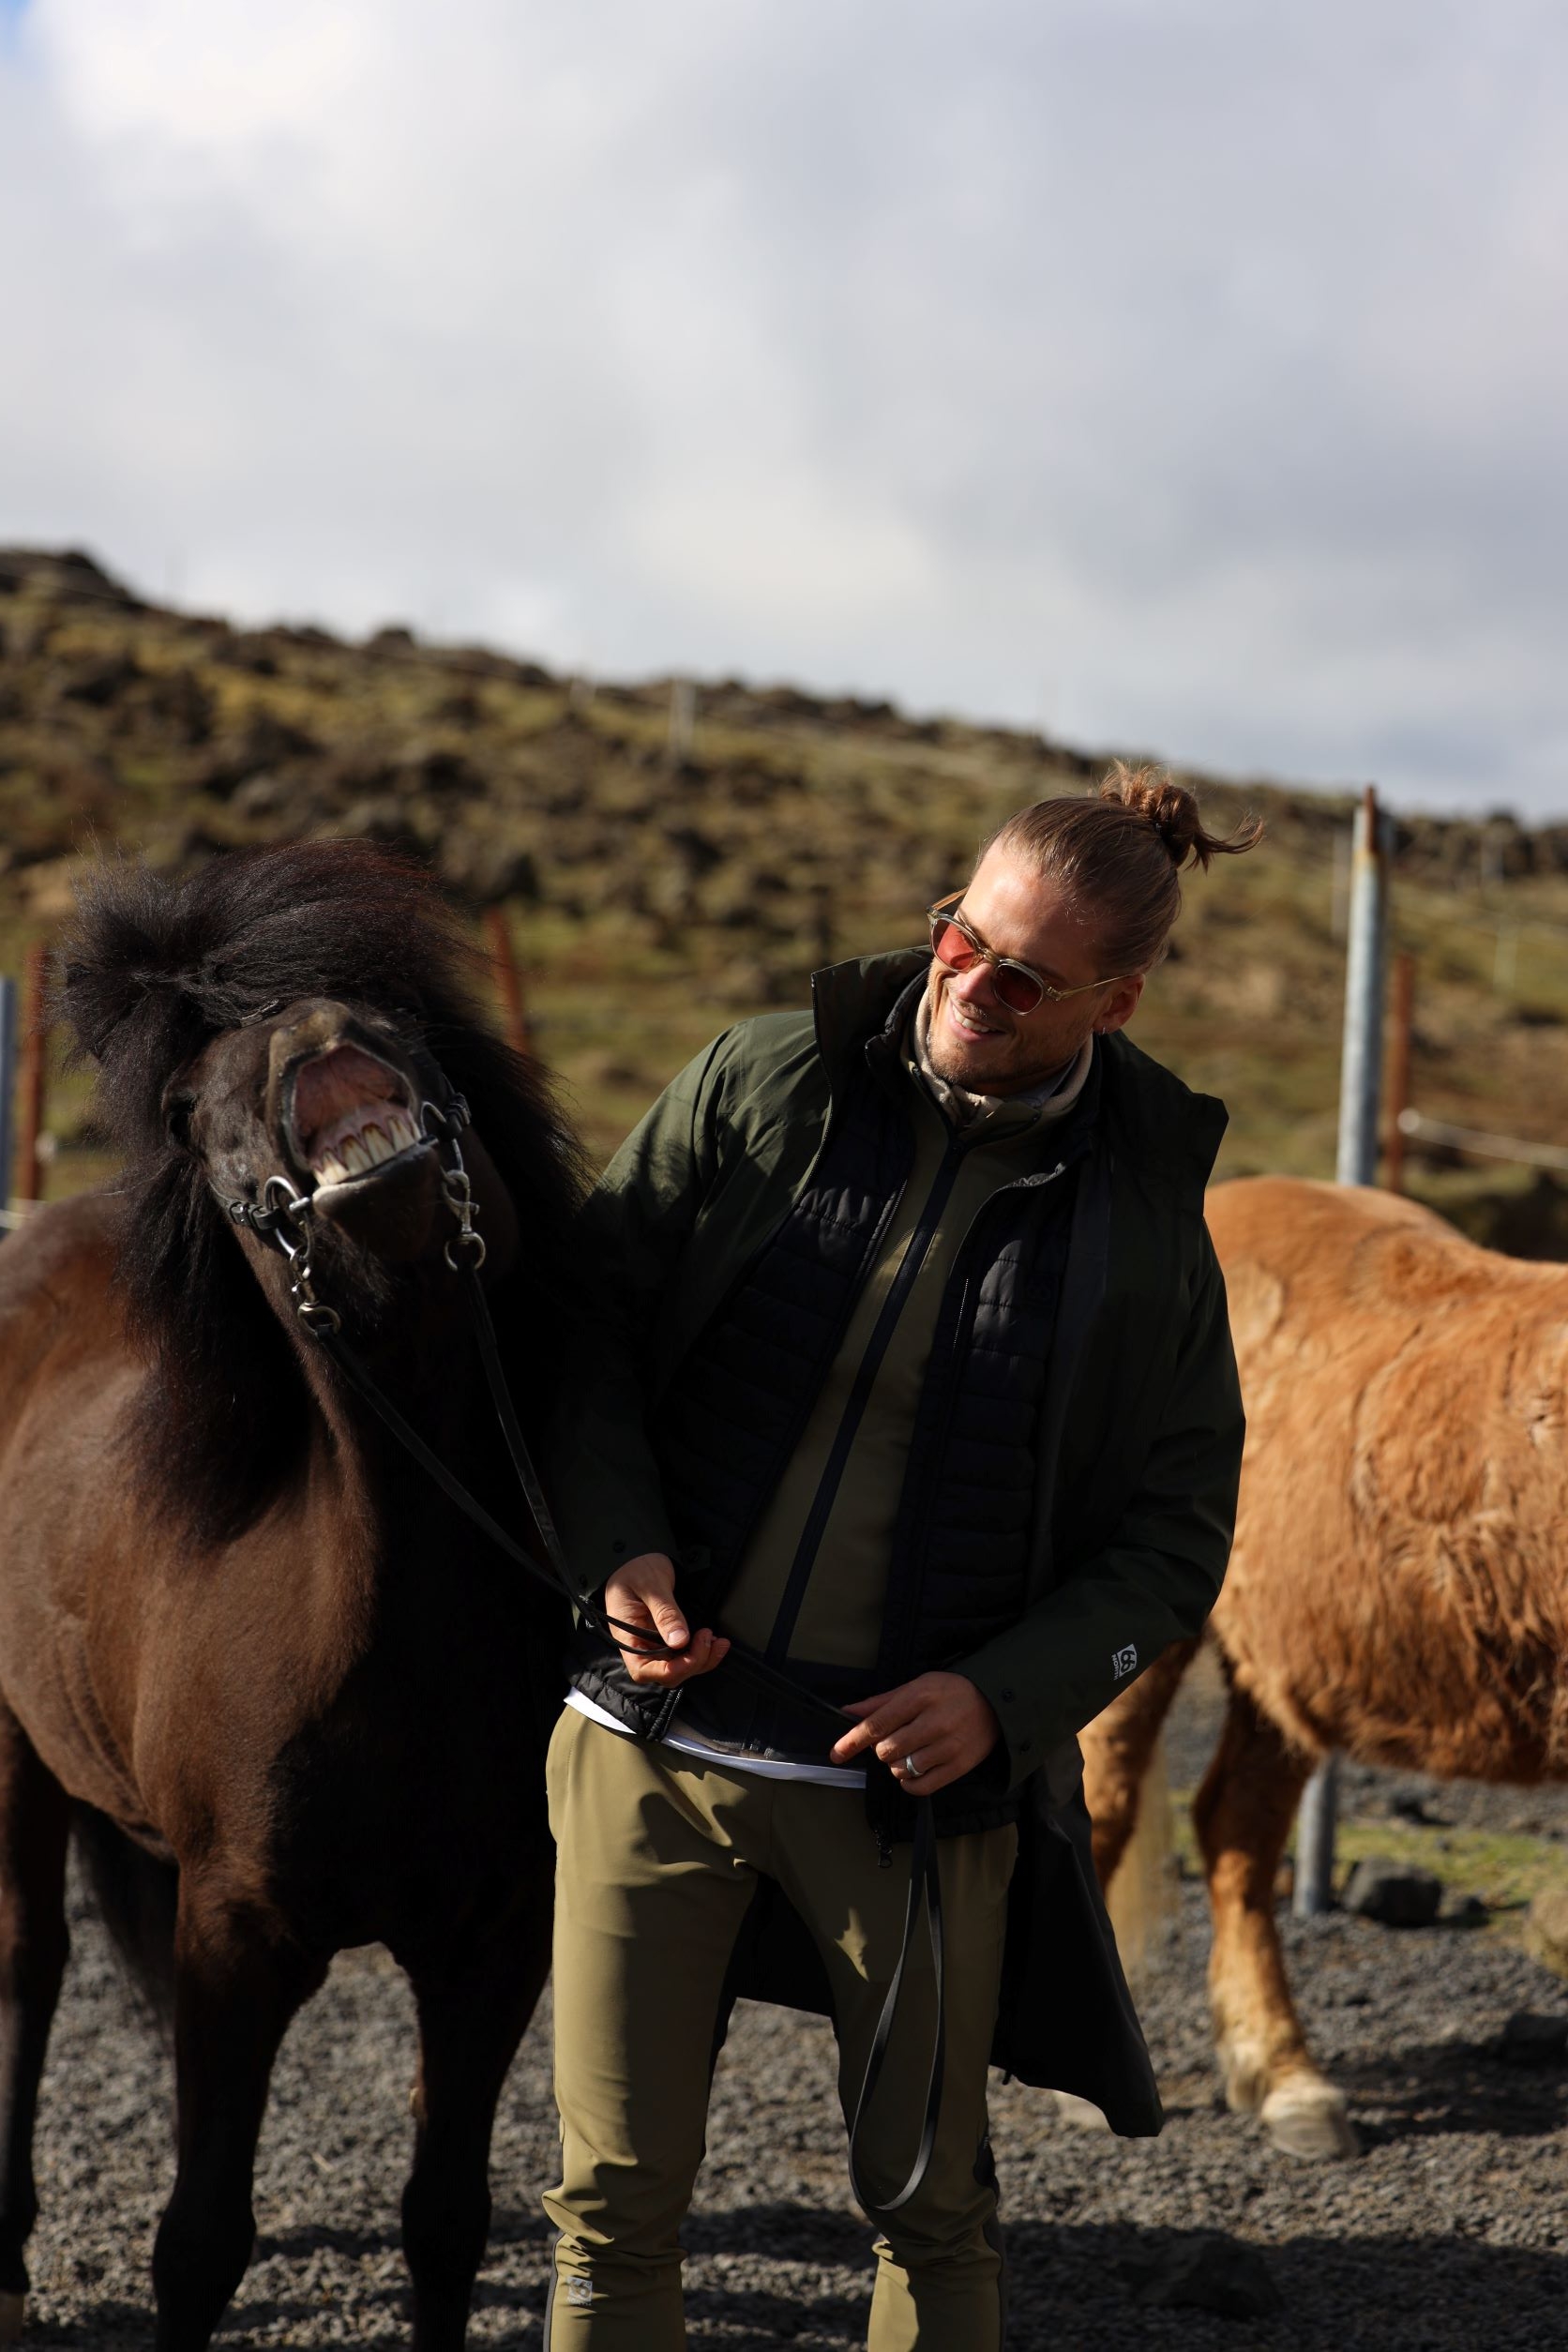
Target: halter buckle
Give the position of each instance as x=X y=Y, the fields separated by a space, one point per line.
x=456 y=1189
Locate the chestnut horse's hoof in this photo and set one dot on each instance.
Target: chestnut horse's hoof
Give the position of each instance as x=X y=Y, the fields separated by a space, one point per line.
x=1081 y=2114
x=13 y=2317
x=1309 y=2120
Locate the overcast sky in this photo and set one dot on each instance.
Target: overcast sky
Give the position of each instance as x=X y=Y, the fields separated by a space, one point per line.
x=1173 y=374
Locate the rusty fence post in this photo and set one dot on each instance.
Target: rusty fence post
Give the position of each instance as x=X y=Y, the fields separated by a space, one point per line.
x=7 y=1096
x=1402 y=1023
x=1359 y=1085
x=508 y=981
x=1362 y=1052
x=26 y=1182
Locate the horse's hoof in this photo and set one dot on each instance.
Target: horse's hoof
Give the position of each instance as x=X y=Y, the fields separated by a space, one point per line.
x=13 y=2315
x=1309 y=2120
x=1082 y=2114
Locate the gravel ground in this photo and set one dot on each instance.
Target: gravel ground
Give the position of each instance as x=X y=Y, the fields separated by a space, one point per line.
x=1451 y=2231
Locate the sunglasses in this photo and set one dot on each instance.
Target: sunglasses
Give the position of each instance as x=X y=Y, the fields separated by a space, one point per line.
x=955 y=944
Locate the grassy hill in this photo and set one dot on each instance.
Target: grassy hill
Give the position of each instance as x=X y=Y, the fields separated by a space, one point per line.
x=661 y=880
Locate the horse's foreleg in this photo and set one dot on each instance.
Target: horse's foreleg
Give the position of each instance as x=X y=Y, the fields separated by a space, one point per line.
x=473 y=2012
x=1244 y=1812
x=35 y=1823
x=236 y=1985
x=1117 y=1746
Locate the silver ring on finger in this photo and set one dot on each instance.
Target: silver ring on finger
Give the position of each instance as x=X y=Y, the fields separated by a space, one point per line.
x=911 y=1768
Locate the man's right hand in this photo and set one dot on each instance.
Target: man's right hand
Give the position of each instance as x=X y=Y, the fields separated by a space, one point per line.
x=642 y=1595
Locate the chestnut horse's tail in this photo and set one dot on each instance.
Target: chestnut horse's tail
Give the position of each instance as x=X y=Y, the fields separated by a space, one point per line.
x=135 y=1895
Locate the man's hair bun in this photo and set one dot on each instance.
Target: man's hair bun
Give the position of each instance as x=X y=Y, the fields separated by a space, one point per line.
x=1118 y=852
x=1172 y=813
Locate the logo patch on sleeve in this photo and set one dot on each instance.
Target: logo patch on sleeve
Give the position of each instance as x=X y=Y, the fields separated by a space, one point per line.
x=1123 y=1662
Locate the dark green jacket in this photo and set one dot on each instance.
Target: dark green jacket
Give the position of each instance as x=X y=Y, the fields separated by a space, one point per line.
x=1140 y=1442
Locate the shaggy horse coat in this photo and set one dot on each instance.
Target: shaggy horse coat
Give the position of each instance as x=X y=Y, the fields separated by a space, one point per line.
x=235 y=1621
x=1399 y=1588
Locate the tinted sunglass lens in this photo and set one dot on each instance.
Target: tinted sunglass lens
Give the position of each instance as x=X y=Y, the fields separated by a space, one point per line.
x=951 y=947
x=1016 y=990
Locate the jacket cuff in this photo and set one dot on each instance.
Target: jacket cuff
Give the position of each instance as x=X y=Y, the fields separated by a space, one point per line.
x=598 y=1541
x=993 y=1671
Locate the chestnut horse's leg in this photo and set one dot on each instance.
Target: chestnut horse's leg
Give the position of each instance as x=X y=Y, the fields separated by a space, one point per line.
x=472 y=2013
x=1117 y=1746
x=237 y=1982
x=1243 y=1813
x=34 y=1828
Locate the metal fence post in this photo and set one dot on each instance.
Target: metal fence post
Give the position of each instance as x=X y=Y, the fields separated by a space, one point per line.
x=1360 y=1084
x=1362 y=1057
x=7 y=1091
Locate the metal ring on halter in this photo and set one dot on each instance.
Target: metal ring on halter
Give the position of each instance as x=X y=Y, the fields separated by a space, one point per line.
x=294 y=1204
x=317 y=1316
x=911 y=1768
x=468 y=1239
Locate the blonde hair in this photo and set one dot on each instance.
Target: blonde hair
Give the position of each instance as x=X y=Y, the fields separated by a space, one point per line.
x=1119 y=853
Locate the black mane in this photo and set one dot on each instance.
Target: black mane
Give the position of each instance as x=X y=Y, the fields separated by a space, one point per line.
x=150 y=971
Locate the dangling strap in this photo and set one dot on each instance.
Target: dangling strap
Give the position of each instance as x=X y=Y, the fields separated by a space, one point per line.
x=925 y=1879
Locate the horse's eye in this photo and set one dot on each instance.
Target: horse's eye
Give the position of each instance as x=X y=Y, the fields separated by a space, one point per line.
x=176 y=1120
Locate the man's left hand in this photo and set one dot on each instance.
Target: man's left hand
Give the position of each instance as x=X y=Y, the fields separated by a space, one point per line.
x=938 y=1721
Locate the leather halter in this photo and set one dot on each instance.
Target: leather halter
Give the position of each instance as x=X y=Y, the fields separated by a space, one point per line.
x=282 y=1218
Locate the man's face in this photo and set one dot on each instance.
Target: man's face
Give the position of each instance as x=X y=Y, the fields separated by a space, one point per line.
x=975 y=1041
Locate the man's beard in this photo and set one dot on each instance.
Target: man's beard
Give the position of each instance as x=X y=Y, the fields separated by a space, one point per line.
x=1014 y=1073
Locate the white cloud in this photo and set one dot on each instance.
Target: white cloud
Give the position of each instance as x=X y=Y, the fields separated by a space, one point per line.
x=1192 y=369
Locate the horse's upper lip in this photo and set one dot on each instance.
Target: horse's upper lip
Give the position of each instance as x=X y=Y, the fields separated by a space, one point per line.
x=346 y=1114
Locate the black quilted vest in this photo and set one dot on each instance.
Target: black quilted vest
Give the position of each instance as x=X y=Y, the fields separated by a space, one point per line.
x=738 y=1406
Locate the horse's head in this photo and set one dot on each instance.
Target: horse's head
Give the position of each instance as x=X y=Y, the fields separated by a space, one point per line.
x=331 y=1127
x=297 y=1029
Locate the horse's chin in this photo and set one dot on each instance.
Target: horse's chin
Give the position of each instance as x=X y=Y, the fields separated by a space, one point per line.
x=392 y=1211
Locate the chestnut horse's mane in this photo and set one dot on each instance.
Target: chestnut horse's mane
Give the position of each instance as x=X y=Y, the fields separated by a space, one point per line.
x=149 y=973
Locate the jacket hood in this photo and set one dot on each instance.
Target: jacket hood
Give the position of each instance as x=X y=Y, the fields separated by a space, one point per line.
x=1160 y=1122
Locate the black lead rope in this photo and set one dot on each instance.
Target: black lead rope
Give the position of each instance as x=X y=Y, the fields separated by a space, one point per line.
x=275 y=1224
x=925 y=1876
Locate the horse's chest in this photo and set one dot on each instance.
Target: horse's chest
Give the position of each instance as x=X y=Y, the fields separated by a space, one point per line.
x=411 y=1797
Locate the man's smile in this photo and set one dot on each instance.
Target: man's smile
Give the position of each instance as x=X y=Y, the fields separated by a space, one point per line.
x=967 y=1021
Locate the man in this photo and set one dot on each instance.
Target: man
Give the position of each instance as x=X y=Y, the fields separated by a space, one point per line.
x=915 y=1378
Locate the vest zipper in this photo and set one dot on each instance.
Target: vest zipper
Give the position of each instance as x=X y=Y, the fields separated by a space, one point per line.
x=854 y=1408
x=901 y=1651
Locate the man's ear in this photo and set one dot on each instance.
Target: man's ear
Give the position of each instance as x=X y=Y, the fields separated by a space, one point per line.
x=1120 y=1006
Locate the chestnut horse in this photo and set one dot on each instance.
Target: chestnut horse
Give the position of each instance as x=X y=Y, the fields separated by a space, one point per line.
x=236 y=1622
x=1399 y=1584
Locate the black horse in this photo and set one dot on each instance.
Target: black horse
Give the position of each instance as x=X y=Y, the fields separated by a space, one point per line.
x=236 y=1620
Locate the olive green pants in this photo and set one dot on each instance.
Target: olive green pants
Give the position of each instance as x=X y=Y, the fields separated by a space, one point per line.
x=659 y=1860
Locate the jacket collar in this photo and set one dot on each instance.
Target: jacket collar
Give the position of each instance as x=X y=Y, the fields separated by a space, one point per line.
x=1153 y=1118
x=852 y=1002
